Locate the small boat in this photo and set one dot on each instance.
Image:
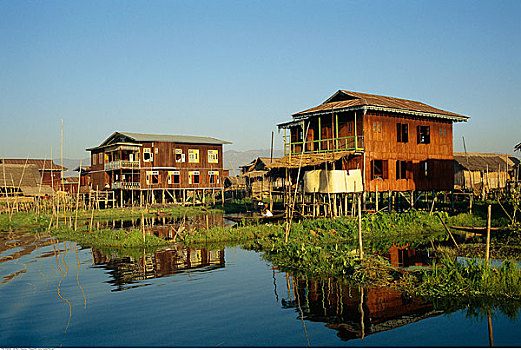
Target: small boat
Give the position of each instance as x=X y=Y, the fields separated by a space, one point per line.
x=258 y=217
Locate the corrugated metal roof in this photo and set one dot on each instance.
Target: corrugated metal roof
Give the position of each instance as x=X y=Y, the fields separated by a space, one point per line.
x=343 y=99
x=138 y=137
x=41 y=164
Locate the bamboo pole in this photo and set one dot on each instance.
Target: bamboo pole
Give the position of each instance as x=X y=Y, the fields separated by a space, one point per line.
x=487 y=252
x=77 y=199
x=447 y=229
x=6 y=193
x=360 y=227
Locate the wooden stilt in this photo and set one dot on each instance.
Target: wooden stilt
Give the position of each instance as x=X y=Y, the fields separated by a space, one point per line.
x=489 y=215
x=360 y=246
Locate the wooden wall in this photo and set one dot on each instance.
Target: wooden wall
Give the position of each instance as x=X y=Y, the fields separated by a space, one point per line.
x=380 y=139
x=164 y=160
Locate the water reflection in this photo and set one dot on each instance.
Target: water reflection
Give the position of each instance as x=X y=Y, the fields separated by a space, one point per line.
x=167 y=226
x=406 y=256
x=353 y=311
x=126 y=270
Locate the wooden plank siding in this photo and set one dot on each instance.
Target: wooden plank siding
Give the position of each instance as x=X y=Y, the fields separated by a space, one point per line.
x=381 y=143
x=163 y=161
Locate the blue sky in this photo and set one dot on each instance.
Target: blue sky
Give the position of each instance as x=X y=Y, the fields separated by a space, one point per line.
x=234 y=69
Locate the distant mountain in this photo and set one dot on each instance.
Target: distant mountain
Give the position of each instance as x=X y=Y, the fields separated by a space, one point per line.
x=234 y=159
x=72 y=164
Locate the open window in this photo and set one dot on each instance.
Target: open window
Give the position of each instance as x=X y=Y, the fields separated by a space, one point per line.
x=402 y=132
x=424 y=169
x=179 y=155
x=213 y=177
x=379 y=169
x=424 y=134
x=148 y=156
x=174 y=177
x=401 y=170
x=152 y=177
x=193 y=177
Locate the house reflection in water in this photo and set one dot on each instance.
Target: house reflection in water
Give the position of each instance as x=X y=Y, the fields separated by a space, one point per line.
x=406 y=256
x=166 y=227
x=354 y=312
x=162 y=263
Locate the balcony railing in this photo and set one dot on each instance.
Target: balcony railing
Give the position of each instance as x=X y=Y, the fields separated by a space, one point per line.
x=121 y=164
x=123 y=185
x=348 y=143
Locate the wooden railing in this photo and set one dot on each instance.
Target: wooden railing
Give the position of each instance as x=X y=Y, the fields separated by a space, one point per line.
x=125 y=185
x=348 y=143
x=119 y=164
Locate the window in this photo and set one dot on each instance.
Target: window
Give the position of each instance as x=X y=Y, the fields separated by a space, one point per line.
x=152 y=177
x=213 y=177
x=148 y=156
x=193 y=177
x=100 y=158
x=179 y=155
x=94 y=157
x=443 y=132
x=424 y=134
x=424 y=169
x=402 y=132
x=350 y=127
x=401 y=169
x=213 y=156
x=377 y=126
x=379 y=169
x=173 y=177
x=193 y=156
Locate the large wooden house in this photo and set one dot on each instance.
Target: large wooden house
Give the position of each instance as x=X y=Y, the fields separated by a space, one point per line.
x=163 y=167
x=400 y=145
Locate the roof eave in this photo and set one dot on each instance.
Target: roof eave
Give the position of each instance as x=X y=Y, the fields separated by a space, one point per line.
x=302 y=116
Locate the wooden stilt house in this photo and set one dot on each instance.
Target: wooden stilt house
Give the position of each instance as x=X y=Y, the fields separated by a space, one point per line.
x=157 y=168
x=399 y=145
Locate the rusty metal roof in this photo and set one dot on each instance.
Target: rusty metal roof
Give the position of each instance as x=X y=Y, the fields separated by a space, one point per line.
x=349 y=100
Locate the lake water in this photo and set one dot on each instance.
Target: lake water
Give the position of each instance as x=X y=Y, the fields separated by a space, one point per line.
x=57 y=294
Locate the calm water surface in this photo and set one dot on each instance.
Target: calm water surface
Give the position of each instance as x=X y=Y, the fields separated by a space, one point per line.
x=57 y=294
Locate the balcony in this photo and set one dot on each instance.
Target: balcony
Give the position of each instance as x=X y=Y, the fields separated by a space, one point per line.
x=121 y=164
x=349 y=143
x=123 y=185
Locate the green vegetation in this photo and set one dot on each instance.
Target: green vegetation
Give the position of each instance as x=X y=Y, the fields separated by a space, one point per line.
x=471 y=279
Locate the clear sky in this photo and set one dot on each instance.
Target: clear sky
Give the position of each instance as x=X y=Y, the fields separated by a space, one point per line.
x=234 y=69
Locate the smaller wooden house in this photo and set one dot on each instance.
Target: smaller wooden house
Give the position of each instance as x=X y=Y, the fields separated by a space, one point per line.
x=50 y=172
x=483 y=172
x=22 y=180
x=257 y=179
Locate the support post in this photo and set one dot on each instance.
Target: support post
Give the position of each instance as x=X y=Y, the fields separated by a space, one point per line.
x=489 y=215
x=360 y=227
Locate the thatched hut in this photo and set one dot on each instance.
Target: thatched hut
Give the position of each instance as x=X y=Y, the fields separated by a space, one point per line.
x=22 y=180
x=482 y=172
